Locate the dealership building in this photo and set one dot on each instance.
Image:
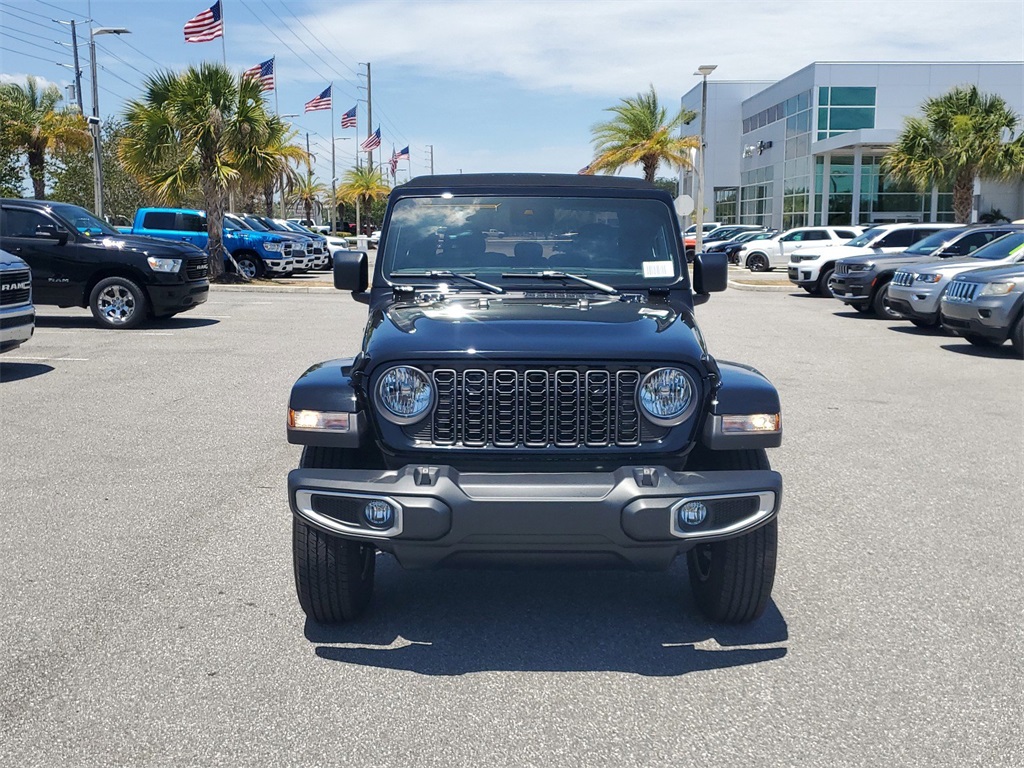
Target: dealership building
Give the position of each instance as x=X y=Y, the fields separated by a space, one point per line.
x=807 y=149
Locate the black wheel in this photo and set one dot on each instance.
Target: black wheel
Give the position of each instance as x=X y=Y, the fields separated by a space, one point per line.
x=980 y=341
x=732 y=580
x=250 y=265
x=861 y=307
x=880 y=304
x=333 y=576
x=690 y=254
x=757 y=262
x=922 y=323
x=823 y=287
x=1017 y=337
x=117 y=302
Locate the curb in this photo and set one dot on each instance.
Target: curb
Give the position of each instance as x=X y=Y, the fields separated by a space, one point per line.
x=761 y=287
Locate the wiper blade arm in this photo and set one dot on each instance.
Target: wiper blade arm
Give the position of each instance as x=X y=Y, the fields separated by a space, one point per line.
x=551 y=275
x=441 y=274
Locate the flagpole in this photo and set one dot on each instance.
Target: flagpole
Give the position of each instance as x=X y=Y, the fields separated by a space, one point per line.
x=223 y=35
x=273 y=68
x=334 y=194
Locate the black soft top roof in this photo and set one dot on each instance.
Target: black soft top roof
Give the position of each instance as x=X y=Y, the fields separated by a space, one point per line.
x=499 y=180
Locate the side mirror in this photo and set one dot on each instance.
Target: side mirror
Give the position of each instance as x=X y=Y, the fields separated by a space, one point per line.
x=710 y=272
x=52 y=233
x=351 y=273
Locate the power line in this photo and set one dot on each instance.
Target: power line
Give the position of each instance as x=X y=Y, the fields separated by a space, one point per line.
x=302 y=40
x=111 y=53
x=32 y=34
x=30 y=21
x=65 y=10
x=311 y=34
x=30 y=55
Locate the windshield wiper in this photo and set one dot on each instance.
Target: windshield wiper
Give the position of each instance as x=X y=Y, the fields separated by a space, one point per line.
x=437 y=274
x=551 y=275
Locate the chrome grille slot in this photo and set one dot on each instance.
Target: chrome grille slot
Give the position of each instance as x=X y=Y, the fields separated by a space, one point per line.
x=842 y=269
x=506 y=410
x=627 y=426
x=567 y=408
x=474 y=408
x=598 y=410
x=961 y=291
x=444 y=411
x=535 y=409
x=903 y=278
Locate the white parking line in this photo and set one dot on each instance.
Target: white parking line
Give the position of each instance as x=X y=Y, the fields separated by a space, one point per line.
x=38 y=359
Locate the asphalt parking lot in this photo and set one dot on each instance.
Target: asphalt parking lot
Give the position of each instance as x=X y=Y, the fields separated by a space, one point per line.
x=148 y=612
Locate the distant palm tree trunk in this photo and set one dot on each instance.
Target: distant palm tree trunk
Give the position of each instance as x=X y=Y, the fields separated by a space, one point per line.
x=268 y=199
x=37 y=170
x=963 y=196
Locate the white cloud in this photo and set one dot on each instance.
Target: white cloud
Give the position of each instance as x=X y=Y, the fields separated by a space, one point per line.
x=609 y=47
x=42 y=82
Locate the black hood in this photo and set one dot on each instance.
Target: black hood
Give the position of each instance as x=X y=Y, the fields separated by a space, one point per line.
x=142 y=245
x=472 y=327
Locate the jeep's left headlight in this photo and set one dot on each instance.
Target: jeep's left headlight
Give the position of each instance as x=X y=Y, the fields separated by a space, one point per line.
x=997 y=289
x=861 y=267
x=666 y=396
x=405 y=394
x=928 y=277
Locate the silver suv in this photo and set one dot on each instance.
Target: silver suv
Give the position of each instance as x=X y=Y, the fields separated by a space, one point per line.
x=915 y=292
x=986 y=306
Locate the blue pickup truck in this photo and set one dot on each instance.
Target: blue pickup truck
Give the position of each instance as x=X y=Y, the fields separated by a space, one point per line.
x=258 y=254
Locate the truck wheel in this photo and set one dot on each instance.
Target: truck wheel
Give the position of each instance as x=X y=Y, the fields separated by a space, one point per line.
x=861 y=307
x=756 y=262
x=1017 y=337
x=808 y=288
x=823 y=287
x=980 y=341
x=333 y=576
x=732 y=580
x=117 y=302
x=250 y=265
x=921 y=323
x=880 y=303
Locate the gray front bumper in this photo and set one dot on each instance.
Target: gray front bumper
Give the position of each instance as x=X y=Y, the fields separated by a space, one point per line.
x=447 y=517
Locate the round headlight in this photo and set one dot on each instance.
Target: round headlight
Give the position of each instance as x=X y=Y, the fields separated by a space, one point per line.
x=405 y=394
x=666 y=396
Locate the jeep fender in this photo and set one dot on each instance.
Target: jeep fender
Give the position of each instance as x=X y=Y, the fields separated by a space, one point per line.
x=327 y=386
x=742 y=390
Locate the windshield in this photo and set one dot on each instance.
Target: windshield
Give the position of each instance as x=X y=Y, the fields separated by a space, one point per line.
x=867 y=237
x=1007 y=245
x=230 y=220
x=750 y=236
x=256 y=224
x=611 y=240
x=82 y=220
x=933 y=242
x=276 y=226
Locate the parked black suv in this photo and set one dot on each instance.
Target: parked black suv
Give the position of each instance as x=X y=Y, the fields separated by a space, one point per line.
x=79 y=261
x=545 y=396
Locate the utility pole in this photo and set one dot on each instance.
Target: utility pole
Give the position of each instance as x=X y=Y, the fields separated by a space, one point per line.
x=78 y=69
x=94 y=126
x=431 y=148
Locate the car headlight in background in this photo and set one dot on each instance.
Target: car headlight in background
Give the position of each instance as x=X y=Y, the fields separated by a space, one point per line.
x=274 y=246
x=861 y=267
x=164 y=265
x=405 y=394
x=666 y=396
x=927 y=277
x=997 y=289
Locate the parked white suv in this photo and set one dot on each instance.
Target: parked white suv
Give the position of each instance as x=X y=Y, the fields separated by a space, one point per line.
x=812 y=268
x=762 y=255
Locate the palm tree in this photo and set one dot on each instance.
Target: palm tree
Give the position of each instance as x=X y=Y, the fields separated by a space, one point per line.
x=308 y=192
x=269 y=163
x=960 y=138
x=641 y=133
x=361 y=186
x=32 y=124
x=192 y=130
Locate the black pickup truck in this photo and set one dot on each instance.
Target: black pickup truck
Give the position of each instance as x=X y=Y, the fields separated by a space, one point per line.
x=533 y=388
x=78 y=260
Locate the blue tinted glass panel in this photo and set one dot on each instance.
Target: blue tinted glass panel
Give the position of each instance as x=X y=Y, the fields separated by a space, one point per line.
x=853 y=97
x=852 y=118
x=823 y=97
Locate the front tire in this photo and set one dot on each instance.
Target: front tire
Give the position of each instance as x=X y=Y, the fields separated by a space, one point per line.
x=880 y=303
x=250 y=265
x=824 y=289
x=921 y=323
x=117 y=302
x=732 y=580
x=1017 y=337
x=333 y=576
x=980 y=341
x=757 y=262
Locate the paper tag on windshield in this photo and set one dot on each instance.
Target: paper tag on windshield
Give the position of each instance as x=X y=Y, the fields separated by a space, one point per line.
x=658 y=269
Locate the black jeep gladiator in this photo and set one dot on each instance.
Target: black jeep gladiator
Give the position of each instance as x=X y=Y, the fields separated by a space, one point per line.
x=538 y=396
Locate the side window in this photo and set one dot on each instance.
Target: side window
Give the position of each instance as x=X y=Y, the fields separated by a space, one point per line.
x=158 y=220
x=191 y=222
x=793 y=237
x=975 y=240
x=900 y=238
x=817 y=235
x=18 y=222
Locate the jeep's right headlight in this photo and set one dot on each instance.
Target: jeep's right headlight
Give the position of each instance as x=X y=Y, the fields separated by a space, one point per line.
x=405 y=394
x=997 y=289
x=666 y=396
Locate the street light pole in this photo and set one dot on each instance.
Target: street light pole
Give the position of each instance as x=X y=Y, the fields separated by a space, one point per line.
x=703 y=70
x=94 y=123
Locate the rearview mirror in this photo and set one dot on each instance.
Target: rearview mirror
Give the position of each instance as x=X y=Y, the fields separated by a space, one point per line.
x=52 y=233
x=710 y=272
x=351 y=273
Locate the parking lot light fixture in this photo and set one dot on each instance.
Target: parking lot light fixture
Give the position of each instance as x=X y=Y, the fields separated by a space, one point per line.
x=94 y=124
x=703 y=71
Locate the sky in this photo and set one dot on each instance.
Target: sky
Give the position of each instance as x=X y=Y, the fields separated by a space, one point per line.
x=492 y=85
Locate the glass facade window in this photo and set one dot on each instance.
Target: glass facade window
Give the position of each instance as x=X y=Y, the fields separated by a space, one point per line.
x=727 y=204
x=783 y=110
x=756 y=193
x=845 y=109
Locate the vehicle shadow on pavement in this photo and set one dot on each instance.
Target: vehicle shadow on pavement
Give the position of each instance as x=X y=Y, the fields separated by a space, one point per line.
x=87 y=321
x=453 y=622
x=913 y=330
x=1004 y=351
x=10 y=371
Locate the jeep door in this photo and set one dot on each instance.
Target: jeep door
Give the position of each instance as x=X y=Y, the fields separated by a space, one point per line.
x=37 y=238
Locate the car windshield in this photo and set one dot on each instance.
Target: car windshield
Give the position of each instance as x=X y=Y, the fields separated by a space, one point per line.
x=748 y=236
x=1004 y=247
x=83 y=221
x=256 y=224
x=276 y=226
x=616 y=241
x=933 y=242
x=235 y=222
x=862 y=240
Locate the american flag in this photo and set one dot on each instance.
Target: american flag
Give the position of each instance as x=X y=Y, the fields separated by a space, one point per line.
x=348 y=120
x=394 y=163
x=403 y=154
x=263 y=72
x=584 y=171
x=207 y=26
x=372 y=141
x=323 y=101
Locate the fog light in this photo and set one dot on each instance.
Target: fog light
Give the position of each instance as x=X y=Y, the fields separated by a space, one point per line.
x=379 y=514
x=692 y=513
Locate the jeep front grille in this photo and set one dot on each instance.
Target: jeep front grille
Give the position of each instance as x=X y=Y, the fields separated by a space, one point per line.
x=961 y=291
x=536 y=407
x=10 y=295
x=903 y=278
x=842 y=269
x=197 y=269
